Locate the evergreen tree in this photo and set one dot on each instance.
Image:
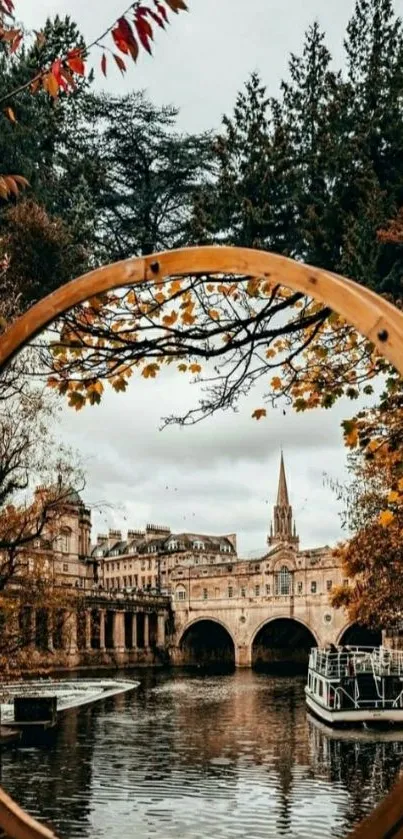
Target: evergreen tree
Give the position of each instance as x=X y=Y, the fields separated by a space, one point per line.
x=148 y=173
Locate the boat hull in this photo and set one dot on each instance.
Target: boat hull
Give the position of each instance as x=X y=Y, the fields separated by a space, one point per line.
x=384 y=716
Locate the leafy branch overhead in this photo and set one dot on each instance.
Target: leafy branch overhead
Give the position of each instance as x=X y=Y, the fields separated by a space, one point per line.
x=132 y=32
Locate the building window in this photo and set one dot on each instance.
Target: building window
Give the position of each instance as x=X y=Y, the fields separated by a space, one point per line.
x=283 y=581
x=64 y=541
x=65 y=567
x=243 y=592
x=181 y=593
x=313 y=587
x=329 y=585
x=267 y=588
x=230 y=591
x=299 y=589
x=257 y=591
x=257 y=567
x=205 y=594
x=345 y=582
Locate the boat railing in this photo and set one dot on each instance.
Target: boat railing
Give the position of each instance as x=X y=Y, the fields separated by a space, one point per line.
x=379 y=661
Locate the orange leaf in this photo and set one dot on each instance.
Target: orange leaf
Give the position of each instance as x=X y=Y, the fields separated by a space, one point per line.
x=51 y=84
x=276 y=383
x=150 y=371
x=195 y=368
x=259 y=413
x=214 y=314
x=10 y=114
x=386 y=517
x=169 y=320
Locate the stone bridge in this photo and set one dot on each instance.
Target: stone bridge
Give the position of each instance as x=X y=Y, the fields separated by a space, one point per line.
x=248 y=632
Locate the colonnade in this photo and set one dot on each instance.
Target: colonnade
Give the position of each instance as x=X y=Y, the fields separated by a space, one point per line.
x=93 y=628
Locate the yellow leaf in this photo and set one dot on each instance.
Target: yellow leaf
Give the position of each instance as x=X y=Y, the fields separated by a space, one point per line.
x=150 y=371
x=188 y=318
x=214 y=314
x=393 y=497
x=386 y=517
x=159 y=297
x=195 y=368
x=259 y=413
x=276 y=383
x=182 y=368
x=175 y=286
x=400 y=485
x=352 y=438
x=270 y=353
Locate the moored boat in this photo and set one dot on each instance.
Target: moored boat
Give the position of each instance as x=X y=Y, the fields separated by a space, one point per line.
x=356 y=685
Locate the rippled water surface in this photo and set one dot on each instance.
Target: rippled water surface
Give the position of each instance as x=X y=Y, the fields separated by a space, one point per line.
x=188 y=756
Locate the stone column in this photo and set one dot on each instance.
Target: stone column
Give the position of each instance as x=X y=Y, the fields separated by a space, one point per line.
x=146 y=631
x=88 y=630
x=161 y=630
x=134 y=631
x=102 y=630
x=50 y=630
x=243 y=656
x=70 y=632
x=119 y=631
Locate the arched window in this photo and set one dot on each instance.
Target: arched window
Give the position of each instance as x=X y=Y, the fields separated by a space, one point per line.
x=283 y=581
x=180 y=593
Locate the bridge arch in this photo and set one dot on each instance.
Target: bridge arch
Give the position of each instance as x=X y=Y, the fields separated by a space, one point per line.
x=355 y=635
x=282 y=642
x=207 y=642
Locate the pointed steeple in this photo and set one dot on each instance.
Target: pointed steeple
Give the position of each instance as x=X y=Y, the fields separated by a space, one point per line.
x=284 y=531
x=282 y=492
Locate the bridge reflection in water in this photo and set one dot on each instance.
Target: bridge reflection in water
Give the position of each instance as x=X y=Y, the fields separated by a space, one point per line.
x=200 y=756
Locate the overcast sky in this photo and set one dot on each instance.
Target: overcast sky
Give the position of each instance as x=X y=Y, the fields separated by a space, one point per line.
x=221 y=475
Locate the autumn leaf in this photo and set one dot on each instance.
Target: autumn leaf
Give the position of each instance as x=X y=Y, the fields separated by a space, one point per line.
x=144 y=31
x=259 y=413
x=76 y=400
x=276 y=383
x=121 y=64
x=75 y=61
x=10 y=114
x=188 y=318
x=386 y=517
x=51 y=84
x=393 y=497
x=195 y=368
x=182 y=368
x=169 y=320
x=119 y=384
x=214 y=314
x=177 y=5
x=103 y=64
x=150 y=371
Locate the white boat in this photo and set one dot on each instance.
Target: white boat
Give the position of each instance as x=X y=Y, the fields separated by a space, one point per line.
x=356 y=685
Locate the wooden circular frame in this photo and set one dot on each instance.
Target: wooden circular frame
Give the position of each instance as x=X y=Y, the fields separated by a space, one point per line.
x=370 y=314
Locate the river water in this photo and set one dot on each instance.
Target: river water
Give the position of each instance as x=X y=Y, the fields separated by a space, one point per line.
x=202 y=757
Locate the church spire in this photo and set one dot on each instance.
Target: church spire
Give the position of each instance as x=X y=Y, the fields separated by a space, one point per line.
x=282 y=492
x=284 y=531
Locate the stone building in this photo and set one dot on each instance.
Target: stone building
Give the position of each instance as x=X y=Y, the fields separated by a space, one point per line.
x=277 y=602
x=146 y=559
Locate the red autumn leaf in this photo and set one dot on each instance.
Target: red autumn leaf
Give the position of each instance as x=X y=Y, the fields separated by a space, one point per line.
x=50 y=83
x=161 y=10
x=124 y=38
x=65 y=72
x=103 y=64
x=119 y=40
x=56 y=70
x=176 y=5
x=119 y=61
x=75 y=61
x=157 y=18
x=144 y=32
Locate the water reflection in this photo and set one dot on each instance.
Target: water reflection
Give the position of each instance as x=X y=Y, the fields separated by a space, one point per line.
x=197 y=756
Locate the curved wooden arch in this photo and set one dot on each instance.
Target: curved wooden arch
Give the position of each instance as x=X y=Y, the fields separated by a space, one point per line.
x=372 y=316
